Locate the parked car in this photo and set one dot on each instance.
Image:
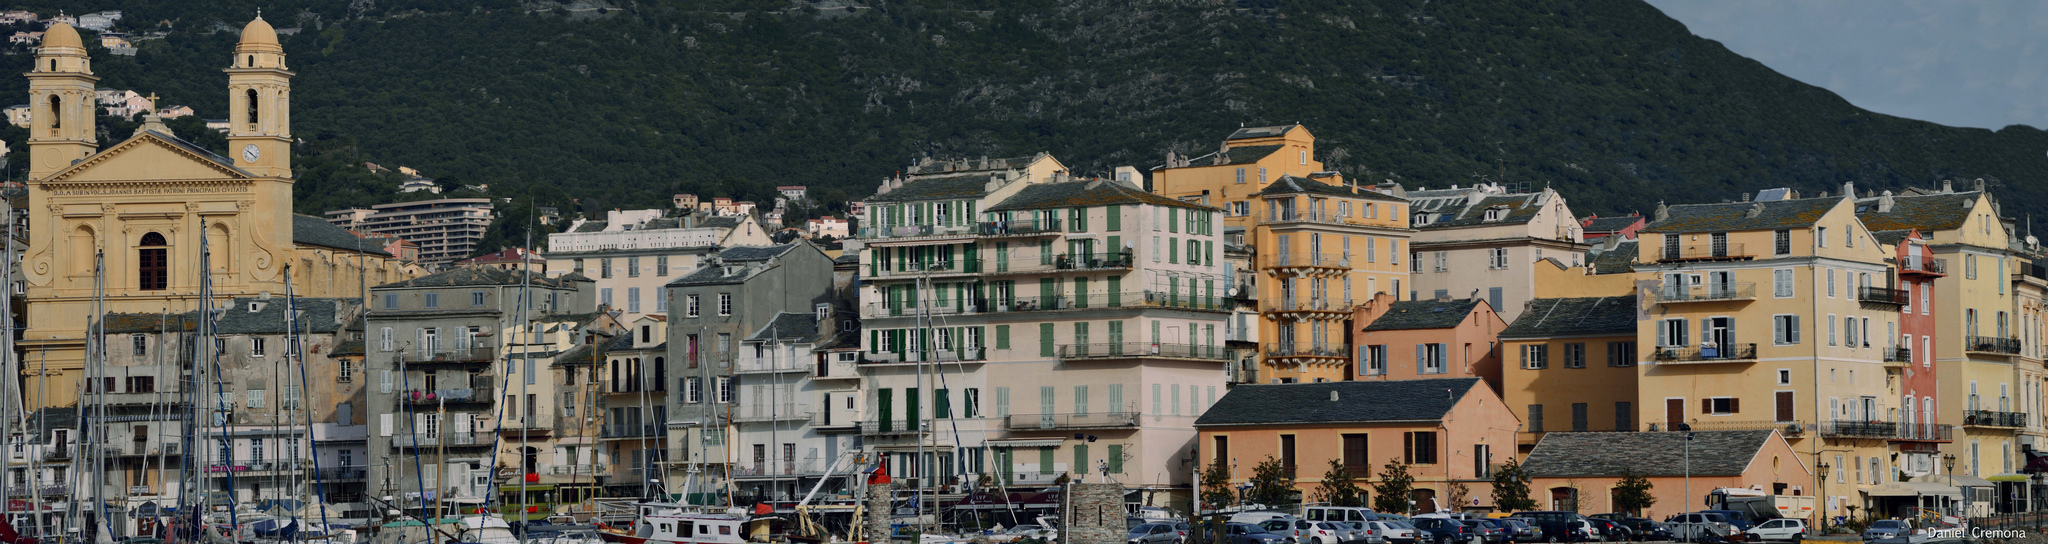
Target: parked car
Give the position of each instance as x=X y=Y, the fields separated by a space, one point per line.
x=1609 y=530
x=1445 y=530
x=1246 y=533
x=1491 y=529
x=1784 y=529
x=1886 y=528
x=1324 y=532
x=1336 y=513
x=1646 y=529
x=1737 y=518
x=1395 y=531
x=1701 y=526
x=1557 y=526
x=1366 y=531
x=1612 y=516
x=1152 y=533
x=1257 y=516
x=1294 y=530
x=1020 y=532
x=1520 y=530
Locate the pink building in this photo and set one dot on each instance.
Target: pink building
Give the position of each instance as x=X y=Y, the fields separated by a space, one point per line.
x=1424 y=339
x=1595 y=227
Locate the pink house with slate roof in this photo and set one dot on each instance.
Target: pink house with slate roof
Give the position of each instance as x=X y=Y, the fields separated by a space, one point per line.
x=1579 y=471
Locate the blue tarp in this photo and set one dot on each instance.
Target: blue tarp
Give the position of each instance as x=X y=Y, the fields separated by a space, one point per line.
x=279 y=528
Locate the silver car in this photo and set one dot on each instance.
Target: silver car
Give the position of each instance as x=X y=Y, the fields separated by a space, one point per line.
x=1886 y=528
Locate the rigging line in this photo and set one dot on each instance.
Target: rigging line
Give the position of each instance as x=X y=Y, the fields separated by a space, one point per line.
x=319 y=489
x=208 y=330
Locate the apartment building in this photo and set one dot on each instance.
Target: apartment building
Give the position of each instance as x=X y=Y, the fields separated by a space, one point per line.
x=447 y=385
x=1119 y=340
x=1570 y=365
x=1485 y=241
x=1977 y=350
x=726 y=299
x=1322 y=245
x=1921 y=432
x=632 y=399
x=446 y=230
x=1419 y=339
x=784 y=425
x=633 y=253
x=1716 y=273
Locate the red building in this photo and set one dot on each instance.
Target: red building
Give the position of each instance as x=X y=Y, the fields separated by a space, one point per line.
x=1920 y=430
x=1594 y=227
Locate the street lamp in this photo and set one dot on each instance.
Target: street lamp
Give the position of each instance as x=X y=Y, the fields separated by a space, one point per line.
x=1823 y=468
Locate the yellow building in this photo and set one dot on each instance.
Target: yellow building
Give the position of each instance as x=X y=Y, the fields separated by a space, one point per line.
x=1571 y=366
x=1320 y=247
x=1977 y=346
x=143 y=203
x=1767 y=315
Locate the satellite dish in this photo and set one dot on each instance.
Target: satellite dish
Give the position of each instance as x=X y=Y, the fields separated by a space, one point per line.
x=1231 y=292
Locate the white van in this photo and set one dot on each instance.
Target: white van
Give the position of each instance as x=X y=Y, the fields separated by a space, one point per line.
x=1337 y=513
x=1254 y=517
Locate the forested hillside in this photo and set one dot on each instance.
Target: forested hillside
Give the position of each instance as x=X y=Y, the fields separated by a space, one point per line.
x=623 y=104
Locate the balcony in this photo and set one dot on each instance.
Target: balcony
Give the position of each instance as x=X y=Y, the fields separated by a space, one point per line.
x=1307 y=216
x=144 y=449
x=452 y=439
x=1925 y=265
x=1302 y=350
x=1925 y=432
x=449 y=357
x=1898 y=357
x=1703 y=251
x=19 y=490
x=934 y=268
x=761 y=412
x=1988 y=418
x=894 y=427
x=465 y=398
x=1027 y=227
x=1880 y=430
x=1134 y=350
x=56 y=453
x=168 y=398
x=1094 y=261
x=769 y=468
x=770 y=366
x=1991 y=345
x=914 y=231
x=835 y=423
x=1301 y=309
x=1789 y=428
x=140 y=490
x=575 y=470
x=1884 y=295
x=1061 y=422
x=948 y=355
x=1711 y=292
x=1305 y=264
x=342 y=474
x=1738 y=353
x=644 y=430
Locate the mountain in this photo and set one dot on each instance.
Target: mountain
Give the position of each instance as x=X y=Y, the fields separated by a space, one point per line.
x=622 y=104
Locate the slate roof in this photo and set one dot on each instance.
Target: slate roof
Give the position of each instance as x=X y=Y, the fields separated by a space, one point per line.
x=196 y=150
x=788 y=327
x=1247 y=133
x=1619 y=260
x=937 y=188
x=850 y=257
x=754 y=253
x=1891 y=237
x=57 y=418
x=1522 y=208
x=314 y=231
x=457 y=277
x=1358 y=402
x=1289 y=184
x=1928 y=213
x=1734 y=216
x=718 y=222
x=1611 y=224
x=1546 y=317
x=317 y=316
x=1074 y=194
x=714 y=272
x=1423 y=314
x=347 y=348
x=1714 y=453
x=591 y=226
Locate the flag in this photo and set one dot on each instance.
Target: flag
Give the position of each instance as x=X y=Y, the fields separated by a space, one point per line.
x=762 y=509
x=880 y=475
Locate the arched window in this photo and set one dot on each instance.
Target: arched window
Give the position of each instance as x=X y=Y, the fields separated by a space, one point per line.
x=153 y=263
x=56 y=111
x=251 y=62
x=82 y=248
x=252 y=109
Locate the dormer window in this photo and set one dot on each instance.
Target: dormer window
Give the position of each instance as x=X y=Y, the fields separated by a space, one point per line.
x=1495 y=214
x=1421 y=219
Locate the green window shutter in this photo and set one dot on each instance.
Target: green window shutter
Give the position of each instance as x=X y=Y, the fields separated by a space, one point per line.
x=875 y=341
x=1172 y=251
x=942 y=404
x=1045 y=252
x=1173 y=220
x=1116 y=459
x=1209 y=253
x=1045 y=293
x=1116 y=291
x=1044 y=339
x=972 y=256
x=1116 y=334
x=874 y=264
x=1209 y=294
x=1116 y=247
x=1002 y=256
x=1002 y=337
x=1116 y=220
x=1045 y=460
x=1080 y=459
x=911 y=413
x=885 y=404
x=1081 y=292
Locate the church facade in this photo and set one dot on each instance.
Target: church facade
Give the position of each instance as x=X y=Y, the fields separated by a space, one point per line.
x=142 y=209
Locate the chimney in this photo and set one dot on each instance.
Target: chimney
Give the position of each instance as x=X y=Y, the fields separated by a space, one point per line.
x=1980 y=185
x=1745 y=197
x=1663 y=212
x=1849 y=189
x=1884 y=202
x=1333 y=395
x=1755 y=209
x=1946 y=188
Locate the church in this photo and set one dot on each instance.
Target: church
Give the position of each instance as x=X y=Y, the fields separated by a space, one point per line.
x=142 y=206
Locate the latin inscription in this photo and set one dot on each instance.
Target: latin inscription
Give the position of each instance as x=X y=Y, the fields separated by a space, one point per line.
x=144 y=191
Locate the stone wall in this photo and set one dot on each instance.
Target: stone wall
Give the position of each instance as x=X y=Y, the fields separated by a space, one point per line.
x=1097 y=515
x=875 y=520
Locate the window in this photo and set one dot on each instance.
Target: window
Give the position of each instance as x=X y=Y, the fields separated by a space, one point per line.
x=1304 y=157
x=476 y=298
x=1781 y=283
x=1498 y=258
x=256 y=346
x=1494 y=214
x=693 y=390
x=1783 y=245
x=1578 y=417
x=690 y=307
x=1621 y=354
x=347 y=371
x=724 y=389
x=1831 y=282
x=1970 y=266
x=1624 y=416
x=1240 y=175
x=1535 y=418
x=1430 y=358
x=605 y=268
x=1821 y=236
x=141 y=345
x=1420 y=447
x=153 y=263
x=632 y=267
x=1443 y=262
x=1831 y=330
x=725 y=304
x=633 y=300
x=661 y=265
x=1720 y=406
x=384 y=338
x=604 y=297
x=1785 y=329
x=1672 y=333
x=1575 y=355
x=1376 y=360
x=433 y=300
x=1262 y=174
x=1536 y=356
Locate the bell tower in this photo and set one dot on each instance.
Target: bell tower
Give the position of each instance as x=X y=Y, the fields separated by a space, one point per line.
x=259 y=104
x=61 y=103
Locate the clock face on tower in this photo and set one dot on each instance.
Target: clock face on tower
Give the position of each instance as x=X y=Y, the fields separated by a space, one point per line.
x=250 y=153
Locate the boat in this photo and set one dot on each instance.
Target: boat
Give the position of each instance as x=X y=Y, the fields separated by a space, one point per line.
x=668 y=523
x=471 y=529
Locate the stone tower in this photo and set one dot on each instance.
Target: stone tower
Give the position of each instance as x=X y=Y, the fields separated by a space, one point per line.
x=61 y=102
x=259 y=104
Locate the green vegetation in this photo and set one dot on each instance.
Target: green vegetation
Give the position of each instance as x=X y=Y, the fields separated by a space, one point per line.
x=1511 y=488
x=1632 y=495
x=1272 y=485
x=1607 y=100
x=1393 y=491
x=1338 y=487
x=1216 y=492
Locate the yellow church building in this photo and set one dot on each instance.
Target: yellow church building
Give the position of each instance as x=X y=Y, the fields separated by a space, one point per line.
x=141 y=206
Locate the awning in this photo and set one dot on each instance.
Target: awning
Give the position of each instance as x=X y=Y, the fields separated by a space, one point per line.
x=2008 y=477
x=1026 y=443
x=1960 y=480
x=1915 y=489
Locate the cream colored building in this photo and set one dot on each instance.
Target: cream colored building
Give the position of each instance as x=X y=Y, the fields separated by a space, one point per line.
x=1484 y=242
x=147 y=202
x=632 y=254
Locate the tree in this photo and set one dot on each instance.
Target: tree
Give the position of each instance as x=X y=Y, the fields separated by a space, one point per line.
x=1216 y=492
x=1338 y=487
x=1633 y=494
x=1271 y=485
x=1393 y=489
x=1459 y=494
x=1511 y=488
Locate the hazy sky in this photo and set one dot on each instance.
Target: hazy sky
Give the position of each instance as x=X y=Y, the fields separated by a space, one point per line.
x=1973 y=63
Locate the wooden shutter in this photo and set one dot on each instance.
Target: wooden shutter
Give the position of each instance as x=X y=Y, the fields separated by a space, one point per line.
x=1785 y=411
x=1735 y=405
